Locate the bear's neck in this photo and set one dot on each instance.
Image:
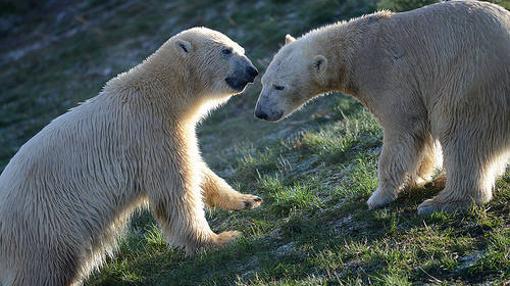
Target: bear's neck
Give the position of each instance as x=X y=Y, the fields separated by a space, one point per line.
x=343 y=43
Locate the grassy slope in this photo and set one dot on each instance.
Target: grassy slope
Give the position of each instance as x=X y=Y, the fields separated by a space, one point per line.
x=314 y=170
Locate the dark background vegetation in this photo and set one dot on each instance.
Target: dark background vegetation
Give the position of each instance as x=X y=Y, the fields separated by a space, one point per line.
x=315 y=170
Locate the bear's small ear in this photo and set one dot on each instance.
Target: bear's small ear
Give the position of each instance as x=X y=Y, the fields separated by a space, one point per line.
x=289 y=39
x=319 y=66
x=183 y=46
x=320 y=63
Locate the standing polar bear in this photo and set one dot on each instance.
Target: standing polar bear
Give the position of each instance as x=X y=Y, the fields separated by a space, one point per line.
x=440 y=73
x=73 y=186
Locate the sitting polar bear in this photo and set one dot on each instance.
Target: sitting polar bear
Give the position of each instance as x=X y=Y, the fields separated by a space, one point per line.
x=70 y=189
x=440 y=73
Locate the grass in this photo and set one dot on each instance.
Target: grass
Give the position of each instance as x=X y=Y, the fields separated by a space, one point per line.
x=314 y=170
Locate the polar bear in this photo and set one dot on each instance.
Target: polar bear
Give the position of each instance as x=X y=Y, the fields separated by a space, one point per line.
x=436 y=78
x=70 y=189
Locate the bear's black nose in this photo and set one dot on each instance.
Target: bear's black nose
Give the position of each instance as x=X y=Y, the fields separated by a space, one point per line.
x=252 y=71
x=261 y=114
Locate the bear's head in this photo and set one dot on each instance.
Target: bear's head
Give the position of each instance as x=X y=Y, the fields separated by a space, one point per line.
x=214 y=62
x=297 y=73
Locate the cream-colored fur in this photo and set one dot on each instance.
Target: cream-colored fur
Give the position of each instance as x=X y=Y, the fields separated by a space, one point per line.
x=71 y=189
x=436 y=78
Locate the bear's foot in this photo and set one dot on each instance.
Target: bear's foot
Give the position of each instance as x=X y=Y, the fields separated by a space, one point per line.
x=244 y=201
x=439 y=181
x=225 y=238
x=213 y=241
x=251 y=201
x=420 y=182
x=436 y=204
x=380 y=199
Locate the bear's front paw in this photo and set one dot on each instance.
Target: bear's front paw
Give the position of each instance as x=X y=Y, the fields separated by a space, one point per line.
x=379 y=199
x=225 y=237
x=245 y=201
x=420 y=182
x=212 y=240
x=439 y=182
x=251 y=201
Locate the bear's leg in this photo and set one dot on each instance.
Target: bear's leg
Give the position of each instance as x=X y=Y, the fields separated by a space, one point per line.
x=177 y=205
x=39 y=258
x=471 y=172
x=47 y=270
x=219 y=193
x=398 y=164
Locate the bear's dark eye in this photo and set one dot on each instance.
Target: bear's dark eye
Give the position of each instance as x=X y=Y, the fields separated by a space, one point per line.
x=226 y=51
x=278 y=87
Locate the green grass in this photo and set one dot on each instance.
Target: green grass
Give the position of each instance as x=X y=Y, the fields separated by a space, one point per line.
x=314 y=170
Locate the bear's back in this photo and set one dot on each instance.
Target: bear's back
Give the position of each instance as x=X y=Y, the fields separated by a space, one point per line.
x=86 y=146
x=466 y=40
x=460 y=21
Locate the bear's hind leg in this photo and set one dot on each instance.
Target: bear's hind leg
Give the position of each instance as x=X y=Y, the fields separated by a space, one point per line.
x=39 y=258
x=47 y=271
x=218 y=193
x=471 y=174
x=398 y=164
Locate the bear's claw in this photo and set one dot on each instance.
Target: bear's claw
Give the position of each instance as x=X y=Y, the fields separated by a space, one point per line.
x=251 y=201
